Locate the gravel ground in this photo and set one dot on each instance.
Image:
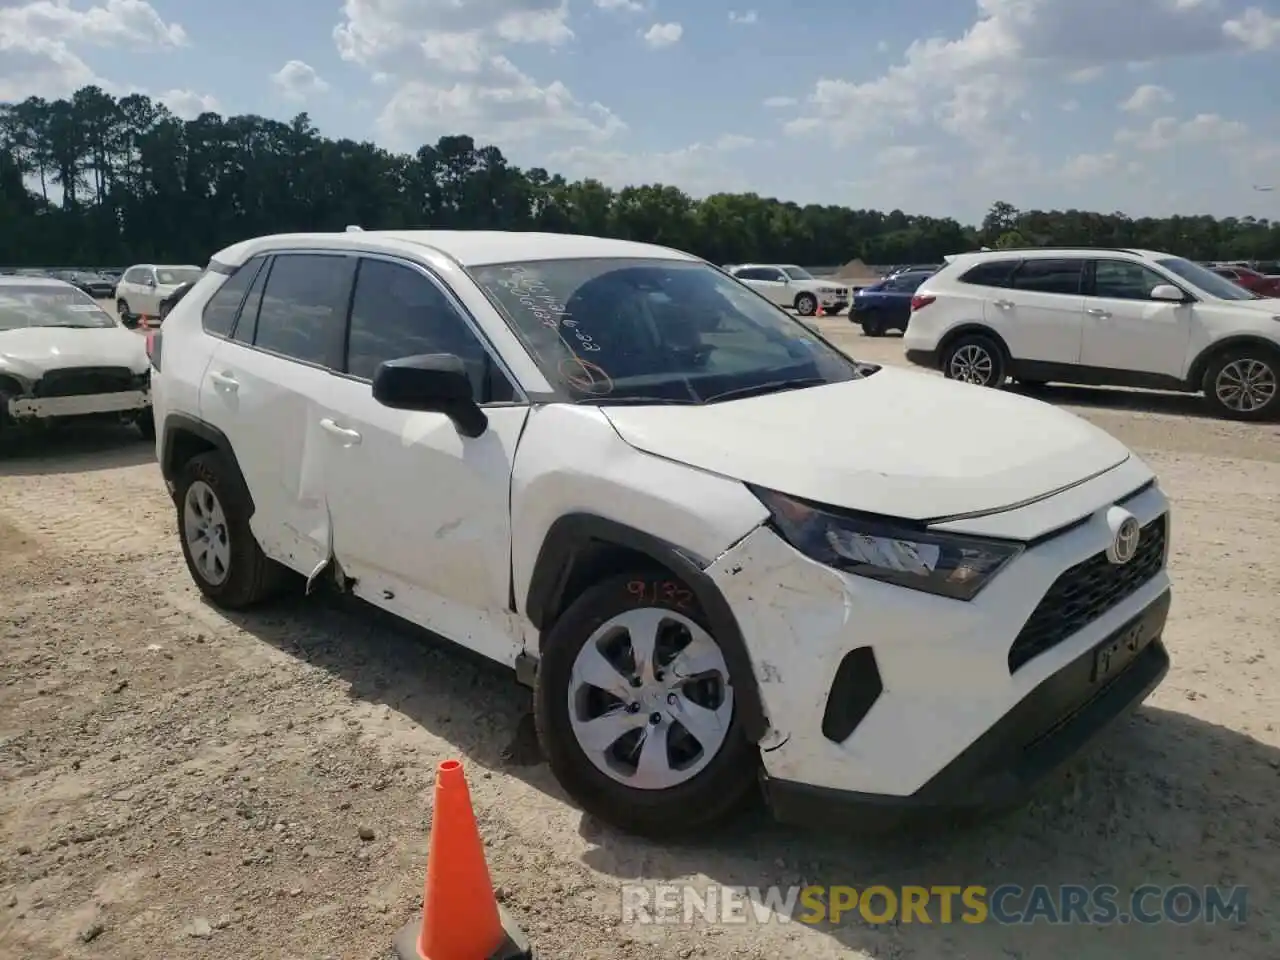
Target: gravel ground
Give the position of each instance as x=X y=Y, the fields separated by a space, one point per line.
x=175 y=782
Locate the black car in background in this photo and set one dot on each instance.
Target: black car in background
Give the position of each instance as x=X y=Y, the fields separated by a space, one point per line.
x=94 y=284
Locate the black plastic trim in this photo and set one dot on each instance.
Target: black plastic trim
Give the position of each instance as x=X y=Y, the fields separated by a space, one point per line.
x=999 y=770
x=577 y=533
x=854 y=691
x=176 y=424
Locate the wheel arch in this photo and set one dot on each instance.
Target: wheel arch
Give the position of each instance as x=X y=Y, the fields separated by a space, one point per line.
x=1200 y=365
x=186 y=437
x=583 y=548
x=972 y=328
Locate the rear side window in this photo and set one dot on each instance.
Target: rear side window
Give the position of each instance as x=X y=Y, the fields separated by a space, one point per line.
x=304 y=307
x=220 y=312
x=750 y=273
x=993 y=273
x=1049 y=276
x=247 y=326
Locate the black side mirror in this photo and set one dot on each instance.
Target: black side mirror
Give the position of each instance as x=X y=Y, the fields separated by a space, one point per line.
x=431 y=383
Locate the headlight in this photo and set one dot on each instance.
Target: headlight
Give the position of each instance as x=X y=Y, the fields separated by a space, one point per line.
x=939 y=563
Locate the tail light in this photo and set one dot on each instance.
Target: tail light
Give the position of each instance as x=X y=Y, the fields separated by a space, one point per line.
x=920 y=301
x=154 y=340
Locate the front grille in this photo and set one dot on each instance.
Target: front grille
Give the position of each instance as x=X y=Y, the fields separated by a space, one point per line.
x=1085 y=592
x=85 y=381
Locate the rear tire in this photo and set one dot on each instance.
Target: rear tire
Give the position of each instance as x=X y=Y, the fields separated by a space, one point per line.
x=678 y=790
x=1243 y=383
x=222 y=554
x=146 y=424
x=873 y=326
x=976 y=359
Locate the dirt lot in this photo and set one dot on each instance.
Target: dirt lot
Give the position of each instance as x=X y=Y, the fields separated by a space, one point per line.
x=177 y=783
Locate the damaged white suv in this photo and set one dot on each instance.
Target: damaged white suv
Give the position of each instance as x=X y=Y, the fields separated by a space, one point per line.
x=611 y=467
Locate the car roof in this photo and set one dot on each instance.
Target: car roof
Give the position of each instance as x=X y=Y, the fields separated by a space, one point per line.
x=471 y=248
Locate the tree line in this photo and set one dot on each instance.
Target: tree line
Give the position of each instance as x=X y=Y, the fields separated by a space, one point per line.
x=104 y=181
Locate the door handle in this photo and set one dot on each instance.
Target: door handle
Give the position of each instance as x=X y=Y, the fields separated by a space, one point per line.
x=1098 y=312
x=351 y=437
x=1003 y=304
x=226 y=381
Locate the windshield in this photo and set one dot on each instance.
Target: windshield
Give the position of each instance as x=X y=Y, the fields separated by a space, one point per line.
x=168 y=276
x=1215 y=286
x=655 y=330
x=798 y=273
x=23 y=307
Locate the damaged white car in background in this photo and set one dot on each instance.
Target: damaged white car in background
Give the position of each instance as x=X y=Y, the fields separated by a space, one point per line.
x=63 y=358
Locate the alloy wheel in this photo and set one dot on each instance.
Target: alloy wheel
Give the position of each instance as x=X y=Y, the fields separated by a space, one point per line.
x=972 y=364
x=1245 y=385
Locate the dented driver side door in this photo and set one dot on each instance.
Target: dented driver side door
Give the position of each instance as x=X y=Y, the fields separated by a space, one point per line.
x=421 y=514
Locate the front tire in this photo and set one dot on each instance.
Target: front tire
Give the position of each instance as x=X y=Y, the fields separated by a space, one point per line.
x=222 y=554
x=146 y=424
x=635 y=711
x=975 y=359
x=1244 y=384
x=126 y=318
x=806 y=304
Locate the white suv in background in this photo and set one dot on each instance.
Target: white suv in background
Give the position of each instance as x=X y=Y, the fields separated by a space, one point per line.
x=1102 y=317
x=143 y=286
x=608 y=466
x=793 y=287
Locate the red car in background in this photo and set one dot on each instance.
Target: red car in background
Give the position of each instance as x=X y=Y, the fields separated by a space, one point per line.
x=1252 y=280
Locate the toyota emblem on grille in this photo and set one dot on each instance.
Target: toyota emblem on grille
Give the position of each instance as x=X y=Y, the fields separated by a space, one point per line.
x=1125 y=534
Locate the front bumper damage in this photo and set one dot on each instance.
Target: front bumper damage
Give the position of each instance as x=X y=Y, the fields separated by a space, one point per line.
x=938 y=721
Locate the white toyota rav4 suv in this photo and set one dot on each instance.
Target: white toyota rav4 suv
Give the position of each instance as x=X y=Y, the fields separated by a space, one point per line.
x=1103 y=317
x=613 y=468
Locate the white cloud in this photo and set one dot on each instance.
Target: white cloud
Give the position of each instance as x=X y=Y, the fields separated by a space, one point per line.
x=188 y=104
x=450 y=69
x=746 y=18
x=699 y=169
x=882 y=46
x=627 y=6
x=971 y=85
x=663 y=35
x=1087 y=166
x=1165 y=132
x=1146 y=97
x=40 y=42
x=1085 y=74
x=517 y=108
x=297 y=80
x=1254 y=29
x=777 y=103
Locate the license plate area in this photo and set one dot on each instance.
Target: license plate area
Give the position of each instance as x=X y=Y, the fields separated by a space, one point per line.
x=1121 y=649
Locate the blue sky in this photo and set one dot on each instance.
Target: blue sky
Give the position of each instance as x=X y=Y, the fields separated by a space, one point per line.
x=1147 y=106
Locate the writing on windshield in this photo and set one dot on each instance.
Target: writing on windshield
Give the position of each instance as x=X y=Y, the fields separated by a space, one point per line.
x=527 y=289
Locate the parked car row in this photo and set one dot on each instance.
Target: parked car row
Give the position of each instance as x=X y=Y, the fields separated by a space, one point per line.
x=142 y=292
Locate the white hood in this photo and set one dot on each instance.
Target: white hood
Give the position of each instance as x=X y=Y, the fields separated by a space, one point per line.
x=32 y=351
x=897 y=443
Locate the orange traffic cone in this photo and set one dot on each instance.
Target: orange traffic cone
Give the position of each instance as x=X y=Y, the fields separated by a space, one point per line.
x=819 y=312
x=461 y=917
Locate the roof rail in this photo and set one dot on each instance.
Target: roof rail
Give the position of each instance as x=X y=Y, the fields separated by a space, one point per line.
x=1060 y=246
